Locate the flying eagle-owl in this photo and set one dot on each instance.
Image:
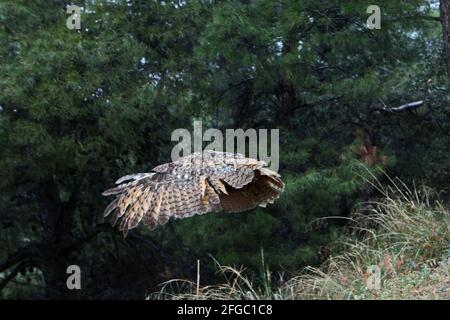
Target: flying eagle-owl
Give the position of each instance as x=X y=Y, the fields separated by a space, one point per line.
x=210 y=181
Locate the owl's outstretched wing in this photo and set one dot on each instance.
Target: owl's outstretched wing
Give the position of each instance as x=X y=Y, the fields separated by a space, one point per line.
x=196 y=184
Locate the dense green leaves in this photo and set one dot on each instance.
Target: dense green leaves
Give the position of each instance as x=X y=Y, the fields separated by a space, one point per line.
x=78 y=109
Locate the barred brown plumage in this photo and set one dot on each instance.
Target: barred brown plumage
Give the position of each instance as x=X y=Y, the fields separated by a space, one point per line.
x=209 y=181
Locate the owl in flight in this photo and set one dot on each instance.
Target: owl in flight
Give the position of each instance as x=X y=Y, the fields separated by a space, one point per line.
x=202 y=182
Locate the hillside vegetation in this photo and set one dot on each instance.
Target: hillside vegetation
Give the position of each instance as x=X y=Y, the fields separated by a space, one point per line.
x=405 y=235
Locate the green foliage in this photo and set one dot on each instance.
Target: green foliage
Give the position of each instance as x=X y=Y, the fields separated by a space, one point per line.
x=78 y=109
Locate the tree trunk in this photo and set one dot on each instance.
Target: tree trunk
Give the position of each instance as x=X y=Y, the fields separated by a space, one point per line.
x=445 y=20
x=56 y=277
x=57 y=235
x=286 y=89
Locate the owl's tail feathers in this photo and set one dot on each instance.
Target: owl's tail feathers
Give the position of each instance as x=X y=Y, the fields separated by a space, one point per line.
x=274 y=180
x=268 y=172
x=265 y=188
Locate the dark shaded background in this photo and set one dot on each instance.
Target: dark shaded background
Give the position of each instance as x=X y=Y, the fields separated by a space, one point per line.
x=79 y=109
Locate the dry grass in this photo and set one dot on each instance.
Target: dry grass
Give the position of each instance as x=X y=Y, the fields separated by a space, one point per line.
x=406 y=235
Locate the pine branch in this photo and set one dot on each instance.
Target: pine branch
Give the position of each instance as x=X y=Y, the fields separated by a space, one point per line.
x=79 y=242
x=12 y=274
x=403 y=107
x=407 y=106
x=15 y=258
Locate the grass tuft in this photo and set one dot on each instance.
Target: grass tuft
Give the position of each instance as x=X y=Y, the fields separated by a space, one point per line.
x=404 y=238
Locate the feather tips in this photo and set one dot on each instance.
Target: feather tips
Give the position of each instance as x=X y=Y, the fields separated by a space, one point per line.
x=196 y=184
